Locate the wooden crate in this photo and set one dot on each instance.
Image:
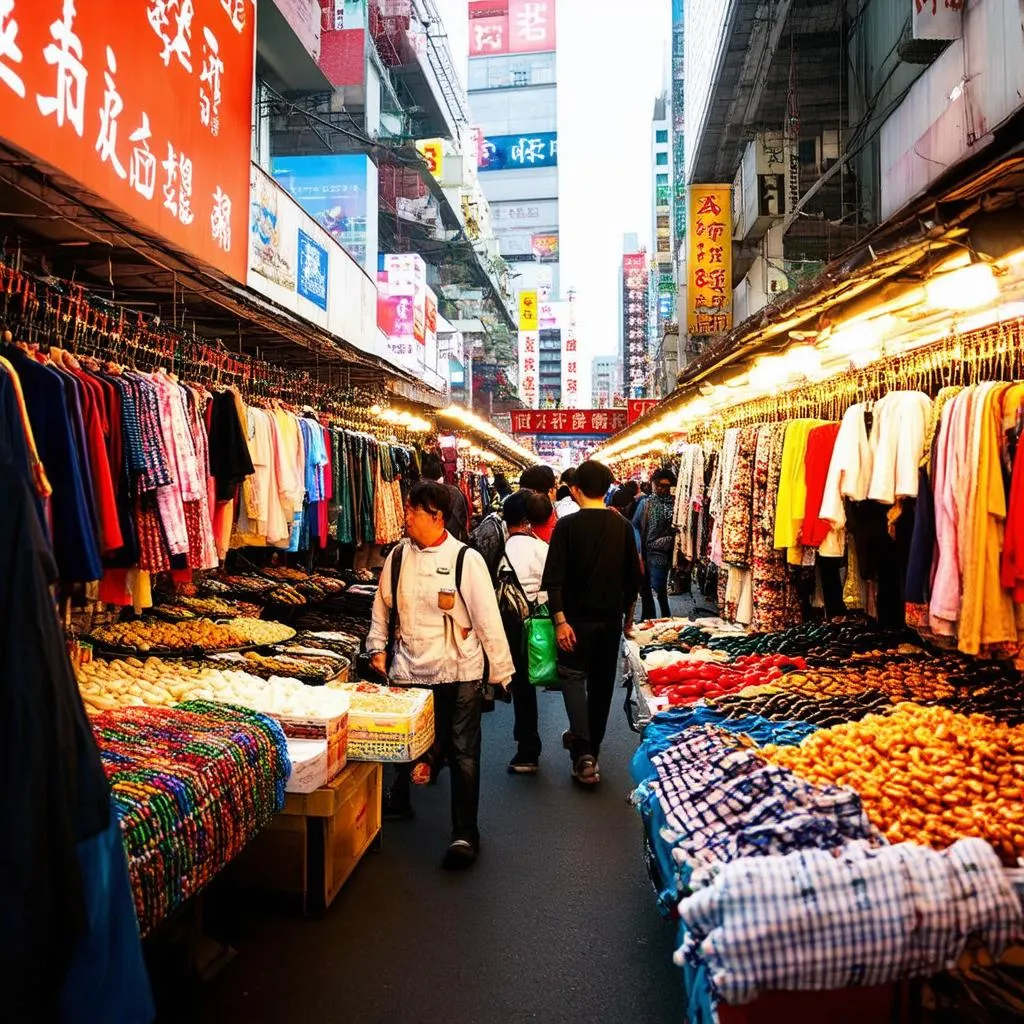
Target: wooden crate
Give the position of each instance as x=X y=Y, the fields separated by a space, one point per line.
x=311 y=847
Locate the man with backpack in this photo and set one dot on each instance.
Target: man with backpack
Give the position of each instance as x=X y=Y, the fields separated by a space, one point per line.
x=457 y=523
x=436 y=623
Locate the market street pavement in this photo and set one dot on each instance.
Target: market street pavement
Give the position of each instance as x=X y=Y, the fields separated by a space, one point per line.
x=555 y=923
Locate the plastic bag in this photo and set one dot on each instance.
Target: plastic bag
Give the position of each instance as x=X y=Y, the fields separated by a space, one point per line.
x=541 y=648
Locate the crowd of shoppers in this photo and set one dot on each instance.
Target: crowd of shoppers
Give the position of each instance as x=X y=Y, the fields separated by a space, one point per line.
x=580 y=546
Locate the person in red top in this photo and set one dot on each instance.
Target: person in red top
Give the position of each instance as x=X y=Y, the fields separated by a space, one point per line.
x=542 y=480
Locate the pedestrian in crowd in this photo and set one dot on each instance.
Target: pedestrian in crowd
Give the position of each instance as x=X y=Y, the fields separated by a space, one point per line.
x=526 y=554
x=457 y=523
x=622 y=503
x=591 y=577
x=645 y=489
x=565 y=503
x=542 y=480
x=502 y=486
x=654 y=520
x=439 y=630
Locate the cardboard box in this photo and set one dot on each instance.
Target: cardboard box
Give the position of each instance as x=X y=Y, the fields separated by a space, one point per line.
x=401 y=737
x=311 y=848
x=310 y=766
x=332 y=731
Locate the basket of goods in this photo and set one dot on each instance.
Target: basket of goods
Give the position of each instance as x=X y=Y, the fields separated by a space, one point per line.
x=152 y=636
x=259 y=633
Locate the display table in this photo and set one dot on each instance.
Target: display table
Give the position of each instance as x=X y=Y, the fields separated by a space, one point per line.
x=309 y=850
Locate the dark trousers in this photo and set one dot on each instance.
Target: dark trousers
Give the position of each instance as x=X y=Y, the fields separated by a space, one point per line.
x=832 y=585
x=657 y=574
x=457 y=710
x=524 y=696
x=647 y=609
x=588 y=682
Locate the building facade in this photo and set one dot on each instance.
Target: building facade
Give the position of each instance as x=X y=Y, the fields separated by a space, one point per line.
x=513 y=96
x=606 y=381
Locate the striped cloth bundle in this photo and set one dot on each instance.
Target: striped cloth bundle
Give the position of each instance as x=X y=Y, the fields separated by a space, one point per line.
x=192 y=785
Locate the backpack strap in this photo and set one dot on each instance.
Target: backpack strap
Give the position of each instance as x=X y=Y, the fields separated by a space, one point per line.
x=460 y=561
x=396 y=572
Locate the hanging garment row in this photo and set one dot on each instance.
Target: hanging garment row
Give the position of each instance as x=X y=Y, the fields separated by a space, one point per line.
x=138 y=473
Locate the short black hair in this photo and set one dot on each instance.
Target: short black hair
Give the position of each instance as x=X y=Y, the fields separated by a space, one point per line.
x=568 y=477
x=633 y=487
x=432 y=467
x=664 y=474
x=538 y=478
x=564 y=492
x=526 y=506
x=594 y=478
x=622 y=499
x=431 y=497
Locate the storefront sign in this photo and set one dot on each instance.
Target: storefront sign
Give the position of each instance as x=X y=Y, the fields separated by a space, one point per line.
x=148 y=105
x=511 y=26
x=709 y=264
x=529 y=368
x=545 y=247
x=313 y=271
x=635 y=322
x=938 y=19
x=636 y=407
x=528 y=311
x=432 y=151
x=595 y=422
x=519 y=152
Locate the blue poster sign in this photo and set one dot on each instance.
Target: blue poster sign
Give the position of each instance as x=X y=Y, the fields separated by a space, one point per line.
x=332 y=189
x=519 y=152
x=311 y=282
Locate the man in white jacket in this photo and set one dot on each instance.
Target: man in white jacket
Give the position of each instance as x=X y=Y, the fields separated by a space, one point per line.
x=448 y=635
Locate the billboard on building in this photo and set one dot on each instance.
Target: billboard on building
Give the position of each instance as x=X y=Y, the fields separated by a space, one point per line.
x=402 y=297
x=528 y=312
x=150 y=114
x=529 y=367
x=511 y=26
x=635 y=323
x=519 y=152
x=593 y=422
x=709 y=259
x=334 y=190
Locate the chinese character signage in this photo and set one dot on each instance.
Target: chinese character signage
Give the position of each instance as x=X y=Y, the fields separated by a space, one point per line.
x=635 y=323
x=709 y=261
x=432 y=151
x=938 y=19
x=545 y=247
x=332 y=189
x=528 y=311
x=402 y=306
x=511 y=26
x=519 y=152
x=591 y=422
x=636 y=407
x=529 y=368
x=146 y=104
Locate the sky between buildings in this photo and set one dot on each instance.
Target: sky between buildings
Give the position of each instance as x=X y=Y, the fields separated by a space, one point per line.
x=612 y=64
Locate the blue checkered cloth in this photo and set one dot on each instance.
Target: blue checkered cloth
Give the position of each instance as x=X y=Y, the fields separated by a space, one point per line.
x=826 y=920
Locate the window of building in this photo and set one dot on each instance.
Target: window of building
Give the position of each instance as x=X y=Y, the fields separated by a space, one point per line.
x=661 y=159
x=664 y=245
x=661 y=136
x=663 y=221
x=662 y=180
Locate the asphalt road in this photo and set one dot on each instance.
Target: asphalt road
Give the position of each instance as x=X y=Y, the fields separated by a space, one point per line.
x=556 y=922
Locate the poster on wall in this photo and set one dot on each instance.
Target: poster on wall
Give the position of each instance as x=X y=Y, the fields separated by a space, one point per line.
x=314 y=266
x=146 y=109
x=272 y=234
x=709 y=259
x=938 y=19
x=332 y=189
x=511 y=26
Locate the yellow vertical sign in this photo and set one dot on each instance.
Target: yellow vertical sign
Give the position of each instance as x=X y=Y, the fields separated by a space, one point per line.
x=432 y=151
x=709 y=259
x=528 y=312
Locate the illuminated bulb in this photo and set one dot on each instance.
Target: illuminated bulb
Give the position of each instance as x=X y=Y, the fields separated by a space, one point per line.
x=389 y=416
x=864 y=357
x=967 y=288
x=863 y=336
x=768 y=372
x=697 y=409
x=803 y=360
x=404 y=418
x=375 y=409
x=463 y=443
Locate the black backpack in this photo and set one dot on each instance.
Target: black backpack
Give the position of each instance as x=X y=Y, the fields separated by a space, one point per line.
x=489 y=539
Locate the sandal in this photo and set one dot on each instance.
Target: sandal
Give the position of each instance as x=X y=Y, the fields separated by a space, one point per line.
x=586 y=770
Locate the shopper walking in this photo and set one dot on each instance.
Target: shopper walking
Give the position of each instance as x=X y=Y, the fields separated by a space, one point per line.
x=653 y=519
x=591 y=577
x=542 y=480
x=565 y=503
x=457 y=523
x=436 y=623
x=526 y=555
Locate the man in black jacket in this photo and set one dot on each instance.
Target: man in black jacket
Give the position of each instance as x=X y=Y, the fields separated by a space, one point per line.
x=592 y=578
x=457 y=523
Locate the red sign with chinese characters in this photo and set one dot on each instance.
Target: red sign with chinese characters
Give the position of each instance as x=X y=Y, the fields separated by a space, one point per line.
x=146 y=103
x=636 y=407
x=511 y=26
x=709 y=264
x=569 y=421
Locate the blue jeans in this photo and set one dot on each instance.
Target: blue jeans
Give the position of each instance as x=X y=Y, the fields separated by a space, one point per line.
x=657 y=574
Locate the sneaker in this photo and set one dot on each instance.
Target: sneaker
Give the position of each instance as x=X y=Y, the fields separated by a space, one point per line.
x=586 y=770
x=393 y=809
x=461 y=854
x=523 y=765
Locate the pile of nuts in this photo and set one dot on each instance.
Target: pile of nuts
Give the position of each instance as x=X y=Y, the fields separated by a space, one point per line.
x=925 y=774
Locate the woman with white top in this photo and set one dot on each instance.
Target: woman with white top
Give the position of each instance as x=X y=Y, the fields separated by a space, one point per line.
x=526 y=554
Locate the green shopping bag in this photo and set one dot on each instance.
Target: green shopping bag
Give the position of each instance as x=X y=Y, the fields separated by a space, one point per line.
x=541 y=648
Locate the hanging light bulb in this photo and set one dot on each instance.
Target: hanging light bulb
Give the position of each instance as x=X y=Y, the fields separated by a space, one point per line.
x=768 y=373
x=967 y=288
x=803 y=360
